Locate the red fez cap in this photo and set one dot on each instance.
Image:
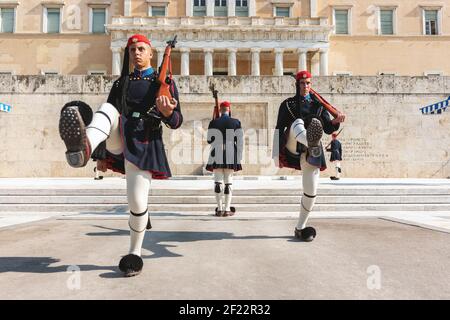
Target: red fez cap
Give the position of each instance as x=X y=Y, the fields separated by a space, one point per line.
x=138 y=38
x=303 y=75
x=225 y=104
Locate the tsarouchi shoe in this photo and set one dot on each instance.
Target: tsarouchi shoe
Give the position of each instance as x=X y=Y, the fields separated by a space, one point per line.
x=308 y=234
x=313 y=135
x=131 y=265
x=72 y=130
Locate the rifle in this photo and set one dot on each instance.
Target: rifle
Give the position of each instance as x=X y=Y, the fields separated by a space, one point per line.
x=163 y=79
x=216 y=107
x=332 y=140
x=334 y=112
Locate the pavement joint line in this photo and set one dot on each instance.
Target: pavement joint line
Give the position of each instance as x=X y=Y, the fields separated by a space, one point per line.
x=424 y=220
x=417 y=224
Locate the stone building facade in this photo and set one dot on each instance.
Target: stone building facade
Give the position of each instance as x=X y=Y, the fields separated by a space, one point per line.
x=385 y=134
x=379 y=62
x=229 y=37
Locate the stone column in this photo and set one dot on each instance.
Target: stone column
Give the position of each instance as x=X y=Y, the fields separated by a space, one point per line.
x=184 y=61
x=255 y=61
x=208 y=61
x=323 y=62
x=127 y=8
x=160 y=56
x=189 y=8
x=313 y=8
x=231 y=8
x=232 y=61
x=116 y=61
x=278 y=61
x=251 y=8
x=210 y=8
x=302 y=59
x=315 y=70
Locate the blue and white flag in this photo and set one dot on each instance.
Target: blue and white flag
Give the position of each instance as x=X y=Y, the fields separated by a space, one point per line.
x=5 y=107
x=436 y=108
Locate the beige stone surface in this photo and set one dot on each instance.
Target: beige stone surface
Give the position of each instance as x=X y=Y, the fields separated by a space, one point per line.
x=363 y=51
x=385 y=134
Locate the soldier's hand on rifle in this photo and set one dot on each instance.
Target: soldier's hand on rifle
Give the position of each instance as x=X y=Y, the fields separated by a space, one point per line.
x=166 y=105
x=340 y=118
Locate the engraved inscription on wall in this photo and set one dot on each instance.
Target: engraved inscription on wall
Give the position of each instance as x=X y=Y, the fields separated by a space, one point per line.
x=359 y=149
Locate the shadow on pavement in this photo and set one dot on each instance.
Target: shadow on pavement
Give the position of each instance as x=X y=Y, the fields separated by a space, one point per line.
x=152 y=214
x=43 y=265
x=155 y=241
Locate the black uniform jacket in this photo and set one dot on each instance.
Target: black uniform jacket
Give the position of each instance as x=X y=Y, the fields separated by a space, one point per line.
x=226 y=138
x=336 y=151
x=291 y=109
x=140 y=129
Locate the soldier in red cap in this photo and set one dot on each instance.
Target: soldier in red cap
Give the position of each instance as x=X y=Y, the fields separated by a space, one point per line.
x=125 y=135
x=225 y=136
x=302 y=119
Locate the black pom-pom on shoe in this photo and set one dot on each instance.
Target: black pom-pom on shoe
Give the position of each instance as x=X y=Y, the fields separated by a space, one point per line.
x=218 y=213
x=131 y=265
x=308 y=234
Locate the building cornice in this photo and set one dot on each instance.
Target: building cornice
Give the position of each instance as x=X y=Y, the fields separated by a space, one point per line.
x=387 y=38
x=156 y=2
x=225 y=32
x=119 y=22
x=99 y=3
x=53 y=3
x=283 y=2
x=11 y=4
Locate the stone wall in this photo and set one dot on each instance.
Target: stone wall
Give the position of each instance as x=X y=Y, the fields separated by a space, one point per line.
x=385 y=134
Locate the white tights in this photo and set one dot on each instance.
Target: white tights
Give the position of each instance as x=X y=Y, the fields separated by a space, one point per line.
x=105 y=126
x=297 y=133
x=138 y=186
x=310 y=180
x=223 y=179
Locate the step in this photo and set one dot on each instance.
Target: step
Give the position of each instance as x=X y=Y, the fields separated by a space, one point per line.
x=111 y=208
x=244 y=192
x=237 y=199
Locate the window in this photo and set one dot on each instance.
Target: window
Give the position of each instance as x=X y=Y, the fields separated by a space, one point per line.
x=98 y=17
x=386 y=21
x=7 y=19
x=241 y=8
x=282 y=11
x=199 y=8
x=159 y=8
x=341 y=21
x=431 y=22
x=53 y=20
x=220 y=8
x=158 y=11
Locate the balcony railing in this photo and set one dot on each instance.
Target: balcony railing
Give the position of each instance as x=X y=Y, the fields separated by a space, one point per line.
x=118 y=22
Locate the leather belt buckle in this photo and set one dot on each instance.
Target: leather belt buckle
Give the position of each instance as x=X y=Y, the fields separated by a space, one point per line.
x=136 y=114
